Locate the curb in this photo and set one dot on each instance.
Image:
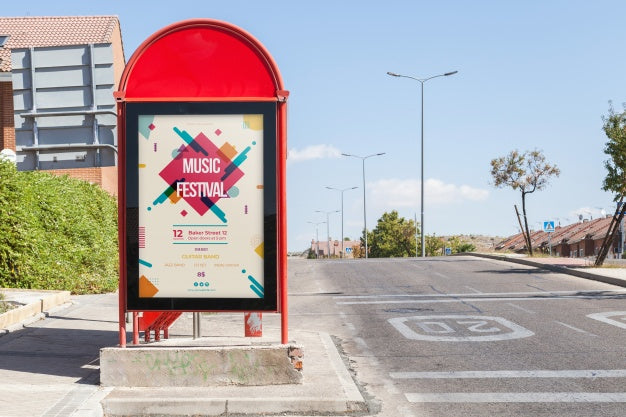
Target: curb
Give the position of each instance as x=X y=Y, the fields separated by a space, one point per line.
x=38 y=303
x=555 y=268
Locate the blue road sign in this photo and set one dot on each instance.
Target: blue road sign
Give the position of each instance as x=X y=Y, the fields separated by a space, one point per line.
x=548 y=227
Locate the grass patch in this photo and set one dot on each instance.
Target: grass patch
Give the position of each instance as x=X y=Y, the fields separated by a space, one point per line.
x=4 y=306
x=56 y=233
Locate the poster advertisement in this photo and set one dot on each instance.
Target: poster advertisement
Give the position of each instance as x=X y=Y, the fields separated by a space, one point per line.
x=201 y=206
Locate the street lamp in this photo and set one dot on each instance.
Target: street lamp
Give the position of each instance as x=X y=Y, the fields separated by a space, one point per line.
x=341 y=255
x=363 y=158
x=327 y=228
x=422 y=81
x=317 y=238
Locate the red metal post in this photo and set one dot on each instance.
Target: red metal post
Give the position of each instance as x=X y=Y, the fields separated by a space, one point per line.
x=121 y=221
x=282 y=227
x=135 y=328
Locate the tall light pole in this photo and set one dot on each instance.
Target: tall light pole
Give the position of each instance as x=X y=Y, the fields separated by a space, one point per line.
x=341 y=255
x=327 y=228
x=422 y=81
x=317 y=238
x=363 y=158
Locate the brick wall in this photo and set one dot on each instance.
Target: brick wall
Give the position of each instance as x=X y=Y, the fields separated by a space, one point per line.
x=7 y=123
x=105 y=177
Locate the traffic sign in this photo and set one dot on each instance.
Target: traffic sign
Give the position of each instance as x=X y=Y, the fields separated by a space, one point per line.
x=548 y=226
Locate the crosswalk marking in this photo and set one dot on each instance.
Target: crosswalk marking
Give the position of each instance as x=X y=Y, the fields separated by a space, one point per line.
x=517 y=397
x=583 y=373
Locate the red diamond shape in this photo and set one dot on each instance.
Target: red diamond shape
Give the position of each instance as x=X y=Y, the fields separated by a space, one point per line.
x=184 y=213
x=200 y=148
x=151 y=127
x=218 y=132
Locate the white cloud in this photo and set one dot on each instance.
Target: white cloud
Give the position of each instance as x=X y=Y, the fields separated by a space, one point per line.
x=587 y=213
x=396 y=193
x=313 y=152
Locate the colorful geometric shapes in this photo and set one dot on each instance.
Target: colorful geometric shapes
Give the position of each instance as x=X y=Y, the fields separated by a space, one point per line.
x=235 y=163
x=259 y=250
x=184 y=213
x=194 y=143
x=218 y=132
x=253 y=121
x=256 y=287
x=141 y=165
x=228 y=151
x=146 y=288
x=233 y=192
x=167 y=193
x=145 y=263
x=142 y=240
x=144 y=123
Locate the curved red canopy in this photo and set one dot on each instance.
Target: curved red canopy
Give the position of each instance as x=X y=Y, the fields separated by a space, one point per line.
x=201 y=58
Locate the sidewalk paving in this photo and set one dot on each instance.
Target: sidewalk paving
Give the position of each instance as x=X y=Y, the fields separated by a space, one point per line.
x=50 y=368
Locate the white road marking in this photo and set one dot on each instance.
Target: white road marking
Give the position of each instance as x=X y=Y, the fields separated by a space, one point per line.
x=521 y=308
x=576 y=329
x=517 y=397
x=543 y=293
x=390 y=387
x=604 y=317
x=476 y=300
x=455 y=328
x=583 y=373
x=439 y=274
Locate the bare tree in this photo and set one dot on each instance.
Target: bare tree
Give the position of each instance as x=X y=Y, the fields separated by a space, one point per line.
x=526 y=172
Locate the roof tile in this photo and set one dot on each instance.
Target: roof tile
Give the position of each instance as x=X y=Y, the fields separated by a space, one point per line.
x=44 y=31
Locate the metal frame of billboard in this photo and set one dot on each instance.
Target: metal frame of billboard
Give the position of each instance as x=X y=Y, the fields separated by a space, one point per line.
x=266 y=299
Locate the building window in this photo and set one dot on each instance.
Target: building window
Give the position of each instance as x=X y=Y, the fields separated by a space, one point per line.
x=582 y=253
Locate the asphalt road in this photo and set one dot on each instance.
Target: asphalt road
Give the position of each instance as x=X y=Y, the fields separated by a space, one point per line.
x=462 y=336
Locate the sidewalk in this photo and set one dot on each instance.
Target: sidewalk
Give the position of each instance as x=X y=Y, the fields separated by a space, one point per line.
x=51 y=368
x=572 y=266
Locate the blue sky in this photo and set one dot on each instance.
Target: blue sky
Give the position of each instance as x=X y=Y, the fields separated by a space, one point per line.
x=532 y=75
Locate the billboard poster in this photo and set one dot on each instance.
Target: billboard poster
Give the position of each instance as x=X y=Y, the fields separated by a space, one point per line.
x=205 y=206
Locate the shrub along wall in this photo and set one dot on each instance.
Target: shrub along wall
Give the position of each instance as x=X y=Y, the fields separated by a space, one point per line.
x=56 y=233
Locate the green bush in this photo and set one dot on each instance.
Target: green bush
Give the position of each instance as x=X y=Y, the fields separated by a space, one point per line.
x=56 y=233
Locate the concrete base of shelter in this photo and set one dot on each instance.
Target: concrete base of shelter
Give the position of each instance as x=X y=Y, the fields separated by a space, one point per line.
x=200 y=366
x=325 y=387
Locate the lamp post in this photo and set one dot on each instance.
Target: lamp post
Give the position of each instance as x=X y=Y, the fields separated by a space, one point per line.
x=317 y=239
x=363 y=158
x=327 y=228
x=341 y=255
x=422 y=81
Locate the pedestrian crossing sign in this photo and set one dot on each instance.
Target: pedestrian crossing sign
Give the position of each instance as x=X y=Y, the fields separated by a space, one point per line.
x=548 y=226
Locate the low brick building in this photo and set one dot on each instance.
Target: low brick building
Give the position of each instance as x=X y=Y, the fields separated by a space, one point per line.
x=578 y=240
x=324 y=247
x=57 y=111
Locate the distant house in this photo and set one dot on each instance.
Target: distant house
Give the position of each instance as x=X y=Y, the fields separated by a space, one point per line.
x=57 y=111
x=333 y=247
x=578 y=240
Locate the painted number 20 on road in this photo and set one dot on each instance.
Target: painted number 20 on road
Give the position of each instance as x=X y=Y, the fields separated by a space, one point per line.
x=458 y=328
